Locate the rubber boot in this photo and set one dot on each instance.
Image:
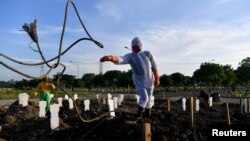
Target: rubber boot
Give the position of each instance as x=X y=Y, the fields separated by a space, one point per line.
x=147 y=113
x=140 y=110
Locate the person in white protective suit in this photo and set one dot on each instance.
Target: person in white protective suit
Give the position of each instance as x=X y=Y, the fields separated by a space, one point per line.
x=145 y=74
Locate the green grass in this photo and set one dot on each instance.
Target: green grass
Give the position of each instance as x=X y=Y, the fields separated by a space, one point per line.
x=13 y=94
x=239 y=94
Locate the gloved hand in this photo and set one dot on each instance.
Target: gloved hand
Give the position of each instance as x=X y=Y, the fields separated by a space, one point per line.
x=35 y=94
x=52 y=86
x=157 y=78
x=109 y=58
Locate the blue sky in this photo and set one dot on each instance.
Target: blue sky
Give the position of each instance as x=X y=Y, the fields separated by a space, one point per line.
x=181 y=34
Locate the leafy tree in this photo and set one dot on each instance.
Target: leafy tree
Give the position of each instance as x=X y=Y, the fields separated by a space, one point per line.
x=166 y=81
x=78 y=83
x=178 y=79
x=65 y=80
x=188 y=82
x=113 y=78
x=209 y=74
x=98 y=81
x=243 y=73
x=126 y=79
x=88 y=79
x=230 y=76
x=21 y=84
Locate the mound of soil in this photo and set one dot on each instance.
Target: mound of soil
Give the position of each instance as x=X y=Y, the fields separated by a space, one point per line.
x=23 y=124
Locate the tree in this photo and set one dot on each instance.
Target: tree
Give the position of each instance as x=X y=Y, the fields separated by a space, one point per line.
x=65 y=80
x=188 y=82
x=209 y=74
x=243 y=72
x=166 y=81
x=88 y=79
x=98 y=81
x=113 y=78
x=126 y=79
x=78 y=83
x=230 y=76
x=178 y=79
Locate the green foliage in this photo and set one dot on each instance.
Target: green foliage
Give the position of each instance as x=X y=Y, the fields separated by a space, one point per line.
x=243 y=71
x=239 y=94
x=209 y=74
x=166 y=81
x=230 y=76
x=88 y=79
x=178 y=79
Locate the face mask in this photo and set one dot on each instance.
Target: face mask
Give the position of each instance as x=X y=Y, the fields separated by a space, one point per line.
x=136 y=48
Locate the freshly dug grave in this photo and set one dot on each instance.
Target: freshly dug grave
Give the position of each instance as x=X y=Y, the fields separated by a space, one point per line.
x=23 y=124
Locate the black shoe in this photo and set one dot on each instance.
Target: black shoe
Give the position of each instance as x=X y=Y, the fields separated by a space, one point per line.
x=140 y=110
x=147 y=113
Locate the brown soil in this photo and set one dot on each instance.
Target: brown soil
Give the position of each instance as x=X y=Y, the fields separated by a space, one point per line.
x=23 y=124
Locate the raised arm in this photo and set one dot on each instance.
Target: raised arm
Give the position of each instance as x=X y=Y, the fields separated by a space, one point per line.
x=111 y=58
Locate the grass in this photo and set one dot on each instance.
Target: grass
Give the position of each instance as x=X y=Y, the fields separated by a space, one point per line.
x=13 y=94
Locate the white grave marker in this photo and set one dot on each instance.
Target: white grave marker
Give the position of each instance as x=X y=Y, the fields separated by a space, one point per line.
x=20 y=97
x=120 y=99
x=197 y=102
x=54 y=119
x=115 y=99
x=71 y=106
x=86 y=104
x=104 y=100
x=23 y=99
x=42 y=105
x=66 y=97
x=109 y=96
x=75 y=96
x=111 y=108
x=210 y=101
x=183 y=103
x=60 y=101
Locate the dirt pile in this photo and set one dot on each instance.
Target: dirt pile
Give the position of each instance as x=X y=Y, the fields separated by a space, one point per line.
x=23 y=123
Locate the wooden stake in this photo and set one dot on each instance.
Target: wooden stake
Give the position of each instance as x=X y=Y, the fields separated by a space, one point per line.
x=169 y=105
x=192 y=111
x=146 y=132
x=228 y=115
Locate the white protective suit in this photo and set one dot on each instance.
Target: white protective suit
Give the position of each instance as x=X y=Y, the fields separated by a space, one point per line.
x=142 y=64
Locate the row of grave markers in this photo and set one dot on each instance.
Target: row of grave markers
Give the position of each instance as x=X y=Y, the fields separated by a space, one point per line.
x=112 y=103
x=245 y=105
x=54 y=108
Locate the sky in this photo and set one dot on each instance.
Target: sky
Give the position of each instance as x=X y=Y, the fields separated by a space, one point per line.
x=181 y=34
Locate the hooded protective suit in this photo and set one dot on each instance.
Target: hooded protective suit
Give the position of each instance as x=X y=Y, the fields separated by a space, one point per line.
x=144 y=69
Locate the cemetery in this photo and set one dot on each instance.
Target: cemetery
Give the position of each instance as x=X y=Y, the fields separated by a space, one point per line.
x=112 y=117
